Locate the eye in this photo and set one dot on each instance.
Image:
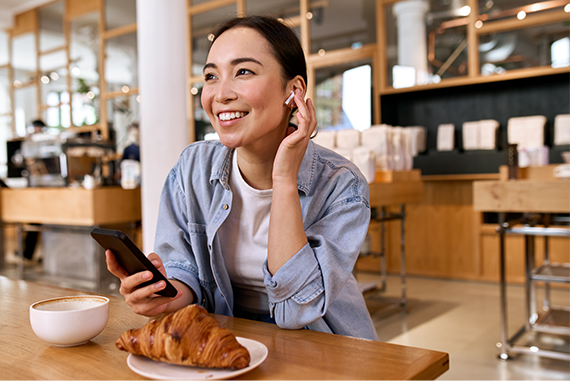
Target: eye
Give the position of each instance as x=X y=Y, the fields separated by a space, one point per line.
x=209 y=76
x=244 y=72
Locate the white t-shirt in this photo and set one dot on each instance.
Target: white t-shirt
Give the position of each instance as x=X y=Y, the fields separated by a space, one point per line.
x=243 y=236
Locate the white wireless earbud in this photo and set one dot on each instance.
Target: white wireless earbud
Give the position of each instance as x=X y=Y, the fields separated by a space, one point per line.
x=290 y=97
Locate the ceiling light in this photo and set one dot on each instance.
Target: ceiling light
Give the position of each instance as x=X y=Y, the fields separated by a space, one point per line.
x=53 y=75
x=75 y=70
x=464 y=11
x=90 y=94
x=321 y=52
x=478 y=24
x=567 y=8
x=194 y=91
x=44 y=79
x=138 y=98
x=521 y=15
x=125 y=89
x=309 y=15
x=17 y=84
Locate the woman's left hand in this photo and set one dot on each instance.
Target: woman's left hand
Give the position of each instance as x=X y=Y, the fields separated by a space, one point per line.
x=292 y=149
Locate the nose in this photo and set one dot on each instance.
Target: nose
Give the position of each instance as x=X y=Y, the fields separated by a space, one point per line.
x=225 y=91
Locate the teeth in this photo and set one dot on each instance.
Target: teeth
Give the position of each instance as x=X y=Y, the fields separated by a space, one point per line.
x=231 y=115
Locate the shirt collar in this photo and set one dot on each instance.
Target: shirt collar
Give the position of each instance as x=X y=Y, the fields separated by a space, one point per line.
x=222 y=165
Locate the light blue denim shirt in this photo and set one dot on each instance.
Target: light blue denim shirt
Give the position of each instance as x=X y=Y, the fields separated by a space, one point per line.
x=315 y=289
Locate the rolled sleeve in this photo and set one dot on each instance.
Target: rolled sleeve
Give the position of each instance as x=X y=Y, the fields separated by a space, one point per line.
x=298 y=279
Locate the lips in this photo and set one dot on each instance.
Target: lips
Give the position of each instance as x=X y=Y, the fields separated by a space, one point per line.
x=225 y=116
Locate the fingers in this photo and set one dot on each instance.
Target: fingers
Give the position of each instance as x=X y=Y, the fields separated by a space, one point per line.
x=113 y=266
x=142 y=300
x=157 y=262
x=306 y=114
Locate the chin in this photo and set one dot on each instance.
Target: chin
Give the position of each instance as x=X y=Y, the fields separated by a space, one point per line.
x=229 y=142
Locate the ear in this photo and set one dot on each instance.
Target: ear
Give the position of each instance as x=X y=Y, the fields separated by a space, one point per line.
x=296 y=84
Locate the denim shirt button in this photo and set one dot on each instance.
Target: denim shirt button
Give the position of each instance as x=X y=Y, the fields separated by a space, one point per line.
x=225 y=206
x=210 y=247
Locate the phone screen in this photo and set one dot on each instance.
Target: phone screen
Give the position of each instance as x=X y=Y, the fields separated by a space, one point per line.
x=131 y=259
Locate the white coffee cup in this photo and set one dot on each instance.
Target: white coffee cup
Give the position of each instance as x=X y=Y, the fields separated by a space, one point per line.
x=69 y=320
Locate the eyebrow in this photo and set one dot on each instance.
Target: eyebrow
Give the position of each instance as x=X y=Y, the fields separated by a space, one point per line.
x=234 y=62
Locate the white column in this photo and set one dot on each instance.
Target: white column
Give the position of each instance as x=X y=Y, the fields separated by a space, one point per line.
x=412 y=42
x=162 y=56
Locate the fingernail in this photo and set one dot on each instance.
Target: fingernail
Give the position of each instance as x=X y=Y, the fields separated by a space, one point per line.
x=159 y=285
x=147 y=275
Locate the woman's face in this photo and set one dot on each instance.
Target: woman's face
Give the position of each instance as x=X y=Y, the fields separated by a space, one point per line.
x=244 y=91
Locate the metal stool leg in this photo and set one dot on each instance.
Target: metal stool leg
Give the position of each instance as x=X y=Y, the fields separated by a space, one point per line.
x=403 y=301
x=503 y=344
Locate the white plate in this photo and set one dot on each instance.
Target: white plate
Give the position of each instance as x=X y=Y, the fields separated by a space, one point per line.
x=164 y=371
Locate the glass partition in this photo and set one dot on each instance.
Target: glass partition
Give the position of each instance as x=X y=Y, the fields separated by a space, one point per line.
x=50 y=20
x=53 y=75
x=121 y=65
x=5 y=101
x=25 y=109
x=5 y=118
x=120 y=13
x=545 y=45
x=84 y=68
x=4 y=41
x=122 y=113
x=338 y=24
x=505 y=9
x=426 y=41
x=344 y=96
x=24 y=58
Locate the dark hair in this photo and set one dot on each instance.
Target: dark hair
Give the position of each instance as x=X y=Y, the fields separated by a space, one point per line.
x=285 y=45
x=38 y=123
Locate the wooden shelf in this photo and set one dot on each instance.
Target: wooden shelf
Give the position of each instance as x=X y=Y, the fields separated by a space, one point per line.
x=463 y=177
x=466 y=81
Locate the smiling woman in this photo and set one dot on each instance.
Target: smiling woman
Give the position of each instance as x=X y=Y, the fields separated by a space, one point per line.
x=263 y=224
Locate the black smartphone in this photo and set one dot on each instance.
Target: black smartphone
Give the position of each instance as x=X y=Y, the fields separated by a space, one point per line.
x=130 y=257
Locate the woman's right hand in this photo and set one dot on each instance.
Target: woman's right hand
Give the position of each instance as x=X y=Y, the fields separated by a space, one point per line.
x=145 y=300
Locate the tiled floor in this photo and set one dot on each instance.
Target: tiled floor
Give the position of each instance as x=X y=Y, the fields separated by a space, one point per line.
x=458 y=317
x=463 y=319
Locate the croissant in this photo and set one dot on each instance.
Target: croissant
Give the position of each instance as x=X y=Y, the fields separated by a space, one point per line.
x=186 y=337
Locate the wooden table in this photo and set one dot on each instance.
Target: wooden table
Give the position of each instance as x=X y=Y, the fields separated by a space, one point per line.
x=293 y=354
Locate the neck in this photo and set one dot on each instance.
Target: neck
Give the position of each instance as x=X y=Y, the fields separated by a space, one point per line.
x=256 y=168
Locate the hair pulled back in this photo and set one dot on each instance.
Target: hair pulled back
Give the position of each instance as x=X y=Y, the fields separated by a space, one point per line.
x=284 y=44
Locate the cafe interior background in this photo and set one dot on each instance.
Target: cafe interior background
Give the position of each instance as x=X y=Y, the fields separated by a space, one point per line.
x=423 y=95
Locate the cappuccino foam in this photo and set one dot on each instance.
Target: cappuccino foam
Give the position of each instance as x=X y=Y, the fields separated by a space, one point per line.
x=70 y=304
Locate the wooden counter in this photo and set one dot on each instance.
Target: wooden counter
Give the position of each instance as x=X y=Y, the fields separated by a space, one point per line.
x=397 y=193
x=67 y=206
x=546 y=196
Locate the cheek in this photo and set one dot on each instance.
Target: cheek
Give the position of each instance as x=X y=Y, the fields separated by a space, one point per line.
x=266 y=98
x=205 y=100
